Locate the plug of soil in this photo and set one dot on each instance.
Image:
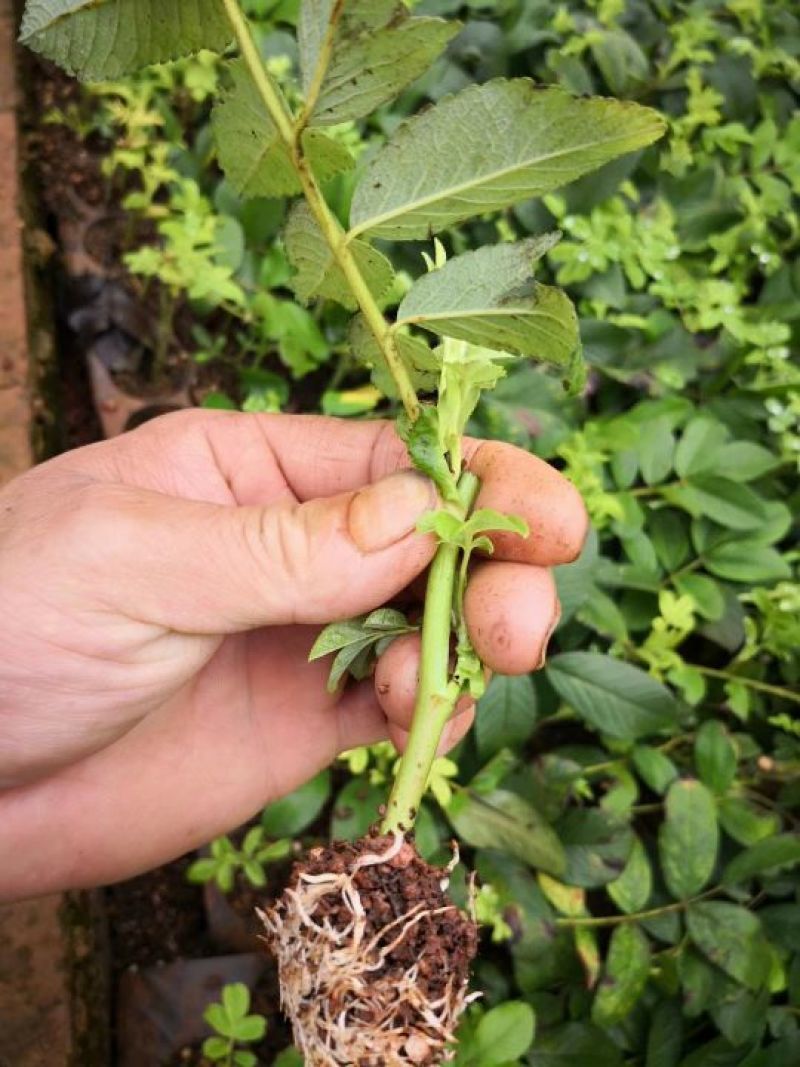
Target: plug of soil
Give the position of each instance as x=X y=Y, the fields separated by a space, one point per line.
x=373 y=958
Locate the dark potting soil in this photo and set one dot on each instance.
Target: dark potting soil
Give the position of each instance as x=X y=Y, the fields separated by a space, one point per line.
x=443 y=945
x=156 y=918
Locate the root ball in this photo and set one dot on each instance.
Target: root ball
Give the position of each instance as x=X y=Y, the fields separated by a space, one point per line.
x=373 y=958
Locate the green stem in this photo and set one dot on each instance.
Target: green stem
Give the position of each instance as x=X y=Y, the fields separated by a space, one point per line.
x=436 y=693
x=638 y=916
x=752 y=683
x=332 y=231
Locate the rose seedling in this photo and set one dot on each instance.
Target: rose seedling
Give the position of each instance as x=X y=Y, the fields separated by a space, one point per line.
x=374 y=959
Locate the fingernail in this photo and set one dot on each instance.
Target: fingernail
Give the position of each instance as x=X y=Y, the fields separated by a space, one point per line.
x=551 y=630
x=386 y=511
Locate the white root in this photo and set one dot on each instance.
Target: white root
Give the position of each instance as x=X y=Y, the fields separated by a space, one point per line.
x=341 y=1011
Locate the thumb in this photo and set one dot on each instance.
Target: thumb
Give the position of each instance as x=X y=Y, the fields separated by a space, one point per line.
x=205 y=568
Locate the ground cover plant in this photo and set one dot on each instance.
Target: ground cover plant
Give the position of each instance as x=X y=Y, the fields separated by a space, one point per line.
x=655 y=761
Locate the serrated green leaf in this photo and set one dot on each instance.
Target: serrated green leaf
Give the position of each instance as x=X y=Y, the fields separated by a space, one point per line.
x=506 y=714
x=505 y=1033
x=504 y=820
x=488 y=520
x=386 y=619
x=251 y=153
x=420 y=363
x=624 y=976
x=732 y=938
x=356 y=55
x=715 y=756
x=104 y=41
x=764 y=857
x=631 y=891
x=317 y=272
x=337 y=635
x=747 y=560
x=487 y=297
x=295 y=812
x=688 y=839
x=346 y=660
x=613 y=697
x=447 y=526
x=488 y=147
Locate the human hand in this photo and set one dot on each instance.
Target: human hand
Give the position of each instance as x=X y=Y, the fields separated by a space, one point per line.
x=160 y=594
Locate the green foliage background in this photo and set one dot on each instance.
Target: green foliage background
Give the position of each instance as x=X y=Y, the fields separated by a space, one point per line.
x=633 y=809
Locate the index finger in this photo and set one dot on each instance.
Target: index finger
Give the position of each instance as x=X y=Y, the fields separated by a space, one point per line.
x=261 y=456
x=321 y=455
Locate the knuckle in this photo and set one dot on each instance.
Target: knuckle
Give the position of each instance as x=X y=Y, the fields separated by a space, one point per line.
x=280 y=548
